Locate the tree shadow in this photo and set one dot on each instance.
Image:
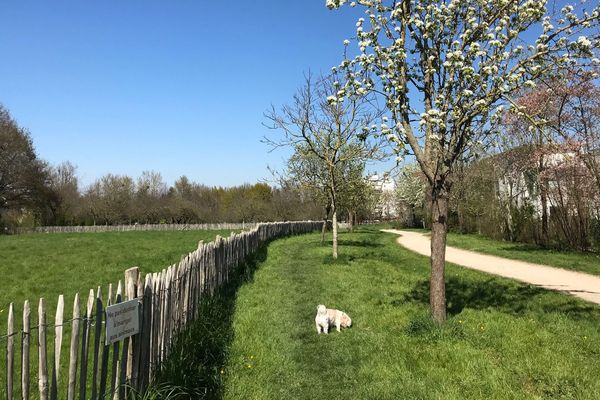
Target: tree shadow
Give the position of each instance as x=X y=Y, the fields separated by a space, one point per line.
x=358 y=243
x=200 y=352
x=511 y=298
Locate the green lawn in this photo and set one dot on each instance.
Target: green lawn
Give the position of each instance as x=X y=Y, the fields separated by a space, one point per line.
x=46 y=265
x=573 y=260
x=503 y=339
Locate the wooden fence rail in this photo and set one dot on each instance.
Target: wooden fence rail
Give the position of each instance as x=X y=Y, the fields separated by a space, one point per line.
x=132 y=228
x=168 y=300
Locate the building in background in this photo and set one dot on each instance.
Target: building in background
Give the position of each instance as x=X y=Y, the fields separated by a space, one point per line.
x=386 y=207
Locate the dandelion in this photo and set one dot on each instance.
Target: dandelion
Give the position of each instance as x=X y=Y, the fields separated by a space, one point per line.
x=222 y=372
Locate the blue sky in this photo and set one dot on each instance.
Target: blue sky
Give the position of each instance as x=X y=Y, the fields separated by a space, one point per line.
x=177 y=87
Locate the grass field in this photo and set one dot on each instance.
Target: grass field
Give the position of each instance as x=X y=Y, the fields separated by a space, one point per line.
x=46 y=265
x=256 y=338
x=573 y=260
x=503 y=339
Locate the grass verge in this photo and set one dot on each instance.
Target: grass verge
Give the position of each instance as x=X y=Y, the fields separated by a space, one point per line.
x=572 y=260
x=503 y=339
x=195 y=368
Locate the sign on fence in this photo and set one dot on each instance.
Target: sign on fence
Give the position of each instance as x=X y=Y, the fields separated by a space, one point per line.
x=122 y=321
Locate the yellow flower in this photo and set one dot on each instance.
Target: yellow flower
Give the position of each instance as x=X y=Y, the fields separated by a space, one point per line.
x=222 y=371
x=251 y=357
x=249 y=366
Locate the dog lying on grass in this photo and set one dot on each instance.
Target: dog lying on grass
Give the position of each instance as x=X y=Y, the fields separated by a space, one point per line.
x=327 y=317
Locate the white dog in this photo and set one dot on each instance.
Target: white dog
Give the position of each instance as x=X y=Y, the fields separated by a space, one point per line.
x=327 y=317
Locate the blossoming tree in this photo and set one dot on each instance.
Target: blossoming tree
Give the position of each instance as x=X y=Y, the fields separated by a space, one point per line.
x=446 y=68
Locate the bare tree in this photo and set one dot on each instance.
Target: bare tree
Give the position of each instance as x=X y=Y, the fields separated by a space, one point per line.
x=333 y=131
x=65 y=184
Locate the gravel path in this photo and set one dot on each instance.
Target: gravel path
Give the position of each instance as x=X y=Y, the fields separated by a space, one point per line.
x=578 y=284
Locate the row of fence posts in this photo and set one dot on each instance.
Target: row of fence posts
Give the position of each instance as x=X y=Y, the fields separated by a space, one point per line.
x=133 y=228
x=168 y=300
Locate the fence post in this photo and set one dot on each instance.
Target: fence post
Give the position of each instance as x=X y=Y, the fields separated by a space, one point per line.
x=97 y=337
x=10 y=352
x=42 y=361
x=131 y=281
x=25 y=351
x=74 y=347
x=58 y=333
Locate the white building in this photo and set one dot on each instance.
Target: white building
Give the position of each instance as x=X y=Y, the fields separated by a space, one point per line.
x=386 y=207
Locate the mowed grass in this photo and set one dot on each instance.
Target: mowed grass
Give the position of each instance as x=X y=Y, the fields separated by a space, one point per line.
x=573 y=260
x=503 y=339
x=47 y=265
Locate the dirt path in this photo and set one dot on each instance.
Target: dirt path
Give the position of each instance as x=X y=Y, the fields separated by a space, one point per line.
x=578 y=284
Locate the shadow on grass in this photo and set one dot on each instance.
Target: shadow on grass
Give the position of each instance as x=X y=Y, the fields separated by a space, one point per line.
x=200 y=352
x=514 y=299
x=342 y=260
x=358 y=243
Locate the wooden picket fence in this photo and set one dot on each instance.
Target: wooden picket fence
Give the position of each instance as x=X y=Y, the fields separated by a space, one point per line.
x=133 y=227
x=168 y=301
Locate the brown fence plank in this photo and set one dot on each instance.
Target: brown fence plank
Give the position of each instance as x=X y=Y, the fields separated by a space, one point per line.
x=10 y=352
x=145 y=336
x=25 y=339
x=85 y=341
x=97 y=336
x=131 y=280
x=58 y=336
x=105 y=355
x=73 y=351
x=115 y=381
x=43 y=353
x=137 y=349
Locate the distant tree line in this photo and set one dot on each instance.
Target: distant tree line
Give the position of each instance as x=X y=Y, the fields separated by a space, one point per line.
x=33 y=192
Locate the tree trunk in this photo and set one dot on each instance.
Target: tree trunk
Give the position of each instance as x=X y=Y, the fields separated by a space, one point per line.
x=461 y=217
x=324 y=228
x=335 y=232
x=351 y=220
x=544 y=201
x=439 y=229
